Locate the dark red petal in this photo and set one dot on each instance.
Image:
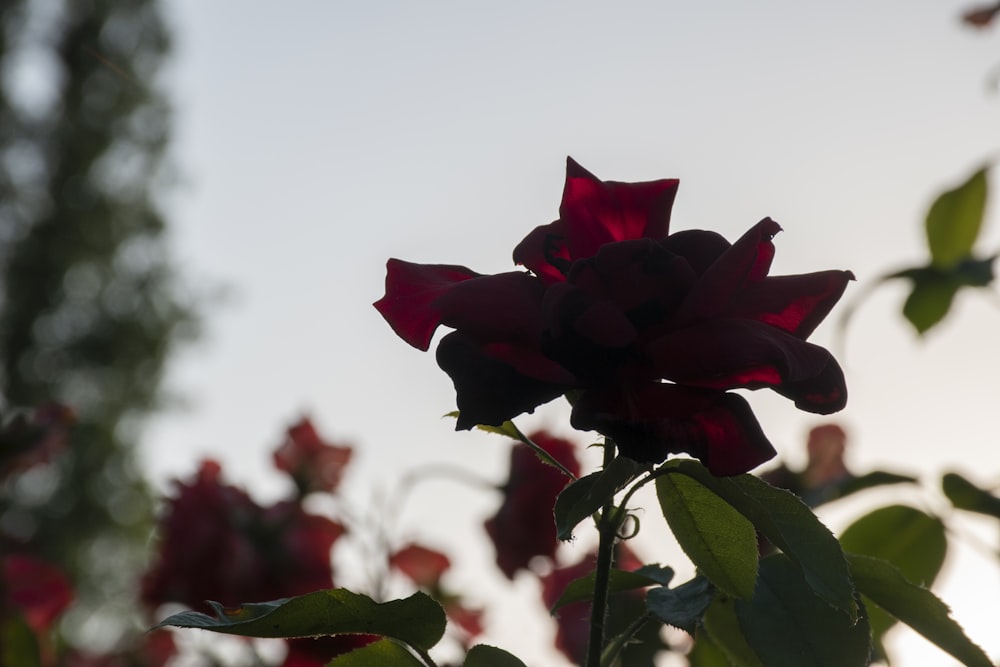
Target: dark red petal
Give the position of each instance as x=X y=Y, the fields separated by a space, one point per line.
x=635 y=274
x=410 y=291
x=823 y=393
x=505 y=306
x=598 y=212
x=746 y=261
x=728 y=353
x=592 y=213
x=544 y=252
x=495 y=382
x=652 y=421
x=796 y=304
x=699 y=247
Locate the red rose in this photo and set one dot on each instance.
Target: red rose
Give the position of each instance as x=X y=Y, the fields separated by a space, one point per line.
x=523 y=527
x=218 y=544
x=313 y=464
x=651 y=330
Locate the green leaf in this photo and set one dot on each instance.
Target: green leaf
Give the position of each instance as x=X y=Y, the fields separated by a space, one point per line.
x=723 y=627
x=589 y=494
x=18 y=644
x=582 y=589
x=911 y=540
x=916 y=606
x=965 y=495
x=789 y=525
x=717 y=538
x=682 y=607
x=706 y=653
x=870 y=480
x=483 y=655
x=383 y=653
x=930 y=300
x=787 y=625
x=954 y=220
x=417 y=620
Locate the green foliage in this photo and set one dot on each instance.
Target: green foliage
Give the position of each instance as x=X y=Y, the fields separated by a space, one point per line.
x=723 y=628
x=785 y=520
x=588 y=494
x=914 y=605
x=952 y=225
x=619 y=581
x=682 y=607
x=869 y=480
x=18 y=646
x=965 y=495
x=417 y=621
x=911 y=540
x=483 y=655
x=383 y=653
x=716 y=537
x=954 y=220
x=786 y=625
x=89 y=305
x=706 y=653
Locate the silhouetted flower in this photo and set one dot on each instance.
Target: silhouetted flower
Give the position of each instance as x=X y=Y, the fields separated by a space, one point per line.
x=217 y=544
x=523 y=527
x=651 y=330
x=313 y=464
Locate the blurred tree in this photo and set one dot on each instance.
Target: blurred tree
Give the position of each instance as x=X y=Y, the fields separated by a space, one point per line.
x=89 y=307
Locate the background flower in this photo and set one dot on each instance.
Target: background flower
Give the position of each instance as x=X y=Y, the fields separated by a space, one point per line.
x=523 y=527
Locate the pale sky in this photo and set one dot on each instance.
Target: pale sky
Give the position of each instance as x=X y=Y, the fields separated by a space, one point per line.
x=317 y=139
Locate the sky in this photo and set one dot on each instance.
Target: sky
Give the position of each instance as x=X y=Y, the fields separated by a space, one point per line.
x=314 y=140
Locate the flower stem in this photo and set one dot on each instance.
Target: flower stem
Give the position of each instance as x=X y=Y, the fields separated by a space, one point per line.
x=616 y=645
x=607 y=528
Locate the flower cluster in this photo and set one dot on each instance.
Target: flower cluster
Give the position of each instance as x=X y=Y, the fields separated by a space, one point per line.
x=218 y=544
x=647 y=332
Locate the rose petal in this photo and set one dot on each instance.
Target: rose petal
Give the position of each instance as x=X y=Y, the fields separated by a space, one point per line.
x=592 y=213
x=410 y=292
x=823 y=393
x=655 y=420
x=748 y=260
x=505 y=306
x=699 y=247
x=796 y=304
x=495 y=382
x=730 y=353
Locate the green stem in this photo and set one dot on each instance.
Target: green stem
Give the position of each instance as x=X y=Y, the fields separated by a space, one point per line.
x=616 y=645
x=425 y=656
x=607 y=529
x=544 y=455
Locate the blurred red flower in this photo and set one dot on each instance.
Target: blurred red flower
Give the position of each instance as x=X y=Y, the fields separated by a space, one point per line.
x=421 y=565
x=523 y=527
x=652 y=330
x=313 y=464
x=35 y=590
x=425 y=567
x=217 y=544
